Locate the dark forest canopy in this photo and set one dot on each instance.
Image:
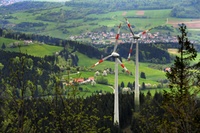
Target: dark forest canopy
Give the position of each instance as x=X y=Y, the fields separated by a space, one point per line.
x=180 y=8
x=146 y=53
x=28 y=6
x=188 y=8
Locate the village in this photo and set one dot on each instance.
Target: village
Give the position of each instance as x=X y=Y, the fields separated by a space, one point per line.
x=99 y=38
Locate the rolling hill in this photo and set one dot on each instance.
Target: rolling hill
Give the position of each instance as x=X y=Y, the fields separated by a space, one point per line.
x=62 y=20
x=65 y=20
x=31 y=48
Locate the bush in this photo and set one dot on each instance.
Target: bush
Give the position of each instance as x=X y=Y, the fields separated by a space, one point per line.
x=102 y=80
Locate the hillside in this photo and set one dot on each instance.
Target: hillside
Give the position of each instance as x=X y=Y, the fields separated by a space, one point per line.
x=180 y=8
x=29 y=47
x=146 y=53
x=189 y=9
x=69 y=21
x=56 y=22
x=155 y=79
x=59 y=73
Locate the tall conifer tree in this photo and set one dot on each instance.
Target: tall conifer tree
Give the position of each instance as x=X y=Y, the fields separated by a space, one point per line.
x=179 y=103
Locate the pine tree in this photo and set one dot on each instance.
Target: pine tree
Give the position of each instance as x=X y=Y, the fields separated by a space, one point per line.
x=17 y=87
x=1 y=32
x=142 y=75
x=3 y=46
x=179 y=104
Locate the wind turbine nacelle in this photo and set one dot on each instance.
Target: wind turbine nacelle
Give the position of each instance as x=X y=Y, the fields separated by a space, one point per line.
x=136 y=37
x=114 y=54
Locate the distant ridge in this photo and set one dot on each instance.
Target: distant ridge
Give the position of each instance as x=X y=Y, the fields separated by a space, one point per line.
x=10 y=2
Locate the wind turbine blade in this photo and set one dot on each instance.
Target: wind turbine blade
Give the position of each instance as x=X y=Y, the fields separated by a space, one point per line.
x=144 y=32
x=100 y=61
x=129 y=26
x=117 y=38
x=122 y=65
x=130 y=51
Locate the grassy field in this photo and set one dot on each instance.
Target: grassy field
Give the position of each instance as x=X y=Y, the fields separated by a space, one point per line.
x=153 y=76
x=150 y=19
x=35 y=49
x=40 y=49
x=6 y=41
x=173 y=51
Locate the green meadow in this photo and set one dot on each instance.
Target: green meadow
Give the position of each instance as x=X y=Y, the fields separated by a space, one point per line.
x=110 y=20
x=150 y=19
x=34 y=49
x=41 y=49
x=153 y=76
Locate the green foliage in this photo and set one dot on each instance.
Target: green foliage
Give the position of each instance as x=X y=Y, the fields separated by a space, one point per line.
x=187 y=9
x=30 y=6
x=60 y=20
x=113 y=5
x=148 y=119
x=24 y=112
x=101 y=80
x=29 y=26
x=180 y=74
x=35 y=49
x=3 y=46
x=177 y=109
x=17 y=89
x=179 y=103
x=1 y=66
x=142 y=75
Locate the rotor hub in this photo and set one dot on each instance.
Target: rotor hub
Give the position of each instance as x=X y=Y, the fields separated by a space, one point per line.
x=115 y=54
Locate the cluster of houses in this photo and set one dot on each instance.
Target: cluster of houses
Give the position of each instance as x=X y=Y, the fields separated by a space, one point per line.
x=25 y=43
x=83 y=80
x=90 y=79
x=109 y=38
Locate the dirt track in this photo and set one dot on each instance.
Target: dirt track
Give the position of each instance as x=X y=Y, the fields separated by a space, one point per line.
x=140 y=13
x=192 y=24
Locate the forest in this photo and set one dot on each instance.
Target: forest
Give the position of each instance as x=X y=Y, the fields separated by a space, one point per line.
x=75 y=18
x=180 y=8
x=33 y=99
x=145 y=55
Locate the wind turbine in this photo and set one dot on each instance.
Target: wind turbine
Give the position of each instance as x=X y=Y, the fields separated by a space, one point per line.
x=136 y=37
x=117 y=61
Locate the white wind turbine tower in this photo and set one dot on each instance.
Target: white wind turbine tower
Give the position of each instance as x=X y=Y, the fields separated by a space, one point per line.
x=117 y=61
x=136 y=37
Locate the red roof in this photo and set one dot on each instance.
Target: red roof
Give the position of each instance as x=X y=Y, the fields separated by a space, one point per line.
x=91 y=78
x=79 y=80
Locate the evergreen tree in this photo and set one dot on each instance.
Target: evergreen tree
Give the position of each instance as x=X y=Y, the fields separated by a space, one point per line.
x=142 y=75
x=130 y=85
x=17 y=89
x=179 y=104
x=143 y=86
x=1 y=32
x=3 y=46
x=122 y=84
